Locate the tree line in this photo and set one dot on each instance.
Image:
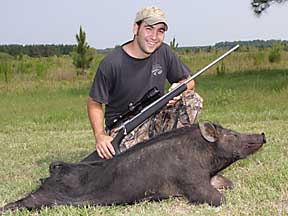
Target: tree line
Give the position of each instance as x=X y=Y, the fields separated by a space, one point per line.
x=254 y=43
x=39 y=50
x=58 y=50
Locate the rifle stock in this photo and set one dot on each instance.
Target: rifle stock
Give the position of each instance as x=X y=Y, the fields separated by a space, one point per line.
x=149 y=110
x=117 y=140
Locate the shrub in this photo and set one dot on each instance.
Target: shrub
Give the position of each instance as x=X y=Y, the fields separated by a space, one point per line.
x=275 y=53
x=258 y=58
x=220 y=70
x=4 y=69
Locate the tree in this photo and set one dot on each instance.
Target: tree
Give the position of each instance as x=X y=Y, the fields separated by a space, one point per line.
x=82 y=58
x=173 y=44
x=260 y=5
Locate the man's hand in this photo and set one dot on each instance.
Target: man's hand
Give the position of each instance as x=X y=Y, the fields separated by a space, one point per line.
x=104 y=147
x=175 y=99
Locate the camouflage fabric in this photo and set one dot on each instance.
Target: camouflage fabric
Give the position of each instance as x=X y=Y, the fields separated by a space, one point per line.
x=183 y=113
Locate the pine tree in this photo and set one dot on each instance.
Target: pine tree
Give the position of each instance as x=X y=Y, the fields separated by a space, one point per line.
x=81 y=56
x=173 y=44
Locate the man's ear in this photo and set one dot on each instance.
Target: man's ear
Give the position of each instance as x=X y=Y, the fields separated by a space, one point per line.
x=208 y=131
x=135 y=28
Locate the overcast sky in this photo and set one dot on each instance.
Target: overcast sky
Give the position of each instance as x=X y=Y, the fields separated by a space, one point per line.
x=108 y=23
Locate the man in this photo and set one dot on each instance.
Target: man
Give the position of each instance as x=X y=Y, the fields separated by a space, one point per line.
x=127 y=73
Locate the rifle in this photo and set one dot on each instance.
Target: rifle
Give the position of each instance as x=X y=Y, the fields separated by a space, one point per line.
x=149 y=110
x=135 y=108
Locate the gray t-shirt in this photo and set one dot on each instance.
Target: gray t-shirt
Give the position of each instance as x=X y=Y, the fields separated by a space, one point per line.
x=122 y=79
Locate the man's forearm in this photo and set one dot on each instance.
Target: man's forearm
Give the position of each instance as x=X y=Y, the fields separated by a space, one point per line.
x=104 y=148
x=96 y=117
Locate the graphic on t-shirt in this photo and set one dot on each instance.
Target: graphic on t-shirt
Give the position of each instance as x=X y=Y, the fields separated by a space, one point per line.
x=156 y=69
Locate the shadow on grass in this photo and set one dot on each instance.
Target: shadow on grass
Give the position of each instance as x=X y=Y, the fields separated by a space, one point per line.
x=73 y=157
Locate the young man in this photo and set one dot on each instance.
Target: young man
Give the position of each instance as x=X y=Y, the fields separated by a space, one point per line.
x=128 y=72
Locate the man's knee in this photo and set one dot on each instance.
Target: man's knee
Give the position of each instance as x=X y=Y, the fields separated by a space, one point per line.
x=193 y=104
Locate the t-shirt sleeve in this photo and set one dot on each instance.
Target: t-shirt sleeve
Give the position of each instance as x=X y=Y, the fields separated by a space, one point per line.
x=177 y=69
x=100 y=87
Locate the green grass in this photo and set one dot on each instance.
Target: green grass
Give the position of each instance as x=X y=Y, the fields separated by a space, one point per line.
x=44 y=121
x=245 y=96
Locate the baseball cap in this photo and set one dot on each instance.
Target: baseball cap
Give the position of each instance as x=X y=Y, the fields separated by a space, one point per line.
x=151 y=15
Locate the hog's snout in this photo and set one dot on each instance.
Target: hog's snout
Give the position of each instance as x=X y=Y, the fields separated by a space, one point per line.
x=264 y=137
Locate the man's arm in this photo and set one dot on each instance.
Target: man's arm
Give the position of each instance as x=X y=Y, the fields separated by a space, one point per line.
x=104 y=147
x=190 y=85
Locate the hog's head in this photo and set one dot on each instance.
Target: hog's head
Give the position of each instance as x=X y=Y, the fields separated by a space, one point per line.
x=229 y=143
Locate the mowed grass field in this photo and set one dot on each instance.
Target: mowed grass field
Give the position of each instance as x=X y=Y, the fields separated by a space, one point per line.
x=45 y=121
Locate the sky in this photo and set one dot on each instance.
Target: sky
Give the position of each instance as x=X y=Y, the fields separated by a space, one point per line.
x=109 y=23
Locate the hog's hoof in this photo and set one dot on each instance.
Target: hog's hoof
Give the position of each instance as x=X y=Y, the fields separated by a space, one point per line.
x=221 y=183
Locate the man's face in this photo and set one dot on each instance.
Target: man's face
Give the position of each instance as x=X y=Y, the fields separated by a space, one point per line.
x=149 y=37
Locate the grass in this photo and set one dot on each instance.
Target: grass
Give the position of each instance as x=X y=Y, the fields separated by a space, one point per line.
x=250 y=96
x=44 y=121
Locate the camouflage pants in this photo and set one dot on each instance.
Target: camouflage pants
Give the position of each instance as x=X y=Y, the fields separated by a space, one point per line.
x=183 y=113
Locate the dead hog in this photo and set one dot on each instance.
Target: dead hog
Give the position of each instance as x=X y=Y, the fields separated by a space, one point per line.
x=176 y=163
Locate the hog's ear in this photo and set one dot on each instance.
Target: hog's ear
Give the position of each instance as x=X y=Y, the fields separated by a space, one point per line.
x=208 y=131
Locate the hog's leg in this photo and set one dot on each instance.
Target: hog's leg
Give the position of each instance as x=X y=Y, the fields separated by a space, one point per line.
x=12 y=207
x=220 y=182
x=204 y=193
x=34 y=200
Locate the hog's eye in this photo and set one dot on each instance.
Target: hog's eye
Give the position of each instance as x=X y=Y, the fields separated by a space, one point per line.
x=231 y=137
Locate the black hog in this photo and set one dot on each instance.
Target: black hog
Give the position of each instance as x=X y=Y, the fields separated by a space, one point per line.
x=176 y=163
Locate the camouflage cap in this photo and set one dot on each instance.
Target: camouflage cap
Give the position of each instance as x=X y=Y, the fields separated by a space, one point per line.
x=151 y=15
